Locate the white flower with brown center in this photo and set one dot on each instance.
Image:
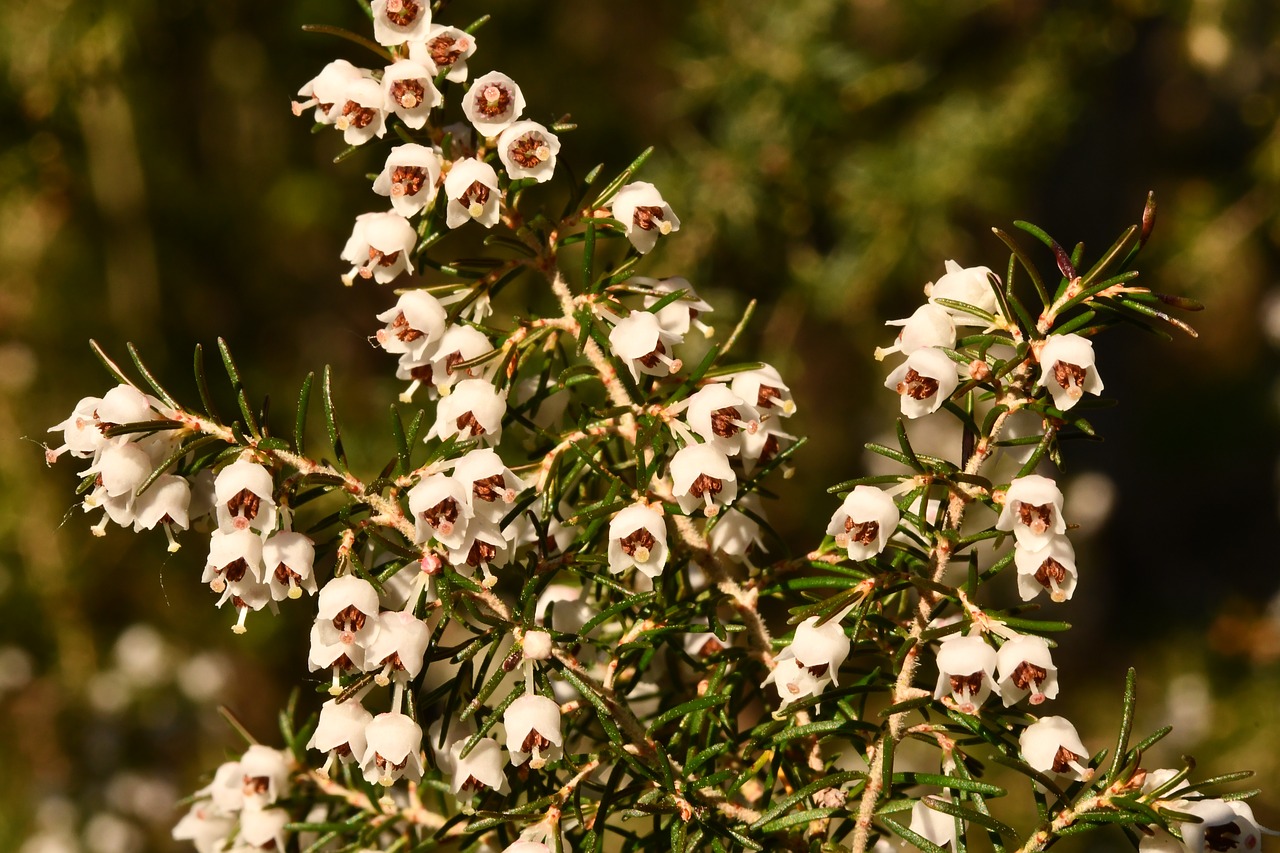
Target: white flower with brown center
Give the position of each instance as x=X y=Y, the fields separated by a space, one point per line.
x=639 y=341
x=81 y=432
x=701 y=476
x=472 y=189
x=409 y=178
x=736 y=532
x=720 y=417
x=638 y=537
x=473 y=410
x=483 y=548
x=337 y=650
x=1049 y=569
x=262 y=829
x=206 y=827
x=265 y=775
x=966 y=671
x=794 y=681
x=763 y=388
x=397 y=650
x=864 y=522
x=1032 y=511
x=233 y=556
x=533 y=730
x=350 y=605
x=644 y=215
x=493 y=103
x=445 y=47
x=821 y=649
x=340 y=732
x=479 y=770
x=289 y=559
x=360 y=112
x=967 y=285
x=410 y=92
x=243 y=491
x=380 y=247
x=441 y=508
x=398 y=21
x=1052 y=746
x=1068 y=370
x=1224 y=826
x=121 y=466
x=528 y=150
x=676 y=317
x=439 y=369
x=414 y=326
x=923 y=382
x=326 y=91
x=393 y=749
x=930 y=326
x=1026 y=670
x=167 y=502
x=491 y=486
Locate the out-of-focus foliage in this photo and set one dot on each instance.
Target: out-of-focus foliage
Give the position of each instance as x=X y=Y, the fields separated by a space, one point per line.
x=824 y=155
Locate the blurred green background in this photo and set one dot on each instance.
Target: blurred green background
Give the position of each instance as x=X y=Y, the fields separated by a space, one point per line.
x=825 y=157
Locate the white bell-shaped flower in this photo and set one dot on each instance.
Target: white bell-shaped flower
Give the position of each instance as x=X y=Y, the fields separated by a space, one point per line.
x=360 y=112
x=701 y=476
x=205 y=827
x=923 y=382
x=1026 y=670
x=929 y=326
x=736 y=532
x=493 y=103
x=639 y=340
x=794 y=681
x=337 y=650
x=441 y=507
x=1052 y=746
x=445 y=48
x=821 y=649
x=409 y=178
x=410 y=92
x=533 y=730
x=644 y=215
x=1032 y=511
x=484 y=548
x=398 y=648
x=969 y=285
x=865 y=522
x=638 y=537
x=564 y=608
x=479 y=770
x=124 y=404
x=761 y=446
x=393 y=750
x=232 y=556
x=226 y=790
x=966 y=671
x=442 y=741
x=678 y=316
x=1223 y=826
x=262 y=829
x=243 y=491
x=1051 y=568
x=472 y=189
x=720 y=417
x=528 y=150
x=474 y=410
x=167 y=501
x=266 y=774
x=763 y=388
x=350 y=604
x=439 y=369
x=340 y=731
x=81 y=434
x=491 y=486
x=398 y=21
x=933 y=825
x=122 y=467
x=326 y=90
x=289 y=559
x=246 y=594
x=1068 y=370
x=379 y=247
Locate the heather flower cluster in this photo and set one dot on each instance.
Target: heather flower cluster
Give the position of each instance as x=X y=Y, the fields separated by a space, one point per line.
x=545 y=617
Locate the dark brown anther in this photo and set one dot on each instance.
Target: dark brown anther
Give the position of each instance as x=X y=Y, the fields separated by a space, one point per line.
x=343 y=749
x=467 y=421
x=446 y=510
x=641 y=538
x=1223 y=836
x=647 y=218
x=1063 y=759
x=357 y=115
x=283 y=573
x=402 y=13
x=443 y=51
x=490 y=488
x=490 y=107
x=1038 y=518
x=382 y=763
x=244 y=504
x=351 y=614
x=862 y=532
x=422 y=373
x=409 y=90
x=512 y=661
x=256 y=785
x=722 y=421
x=651 y=360
x=481 y=552
x=474 y=784
x=382 y=260
x=917 y=387
x=972 y=683
x=710 y=647
x=704 y=484
x=532 y=740
x=409 y=180
x=1028 y=676
x=405 y=332
x=235 y=570
x=1050 y=570
x=819 y=670
x=1068 y=374
x=394 y=660
x=477 y=193
x=766 y=395
x=770 y=449
x=524 y=151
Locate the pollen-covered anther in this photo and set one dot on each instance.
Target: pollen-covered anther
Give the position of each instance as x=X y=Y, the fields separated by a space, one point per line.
x=442 y=516
x=639 y=545
x=1050 y=574
x=727 y=421
x=1071 y=377
x=1028 y=676
x=918 y=387
x=1037 y=518
x=1064 y=761
x=647 y=218
x=355 y=115
x=861 y=532
x=407 y=180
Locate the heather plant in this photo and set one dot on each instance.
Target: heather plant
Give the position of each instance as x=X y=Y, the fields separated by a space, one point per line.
x=558 y=618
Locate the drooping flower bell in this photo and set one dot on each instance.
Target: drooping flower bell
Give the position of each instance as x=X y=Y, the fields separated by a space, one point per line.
x=289 y=559
x=266 y=775
x=533 y=730
x=410 y=92
x=701 y=476
x=340 y=732
x=441 y=508
x=644 y=215
x=1051 y=745
x=166 y=502
x=720 y=417
x=398 y=21
x=969 y=285
x=1051 y=568
x=398 y=648
x=493 y=103
x=326 y=91
x=492 y=486
x=763 y=388
x=821 y=649
x=933 y=825
x=243 y=491
x=350 y=605
x=474 y=410
x=393 y=749
x=966 y=671
x=1032 y=511
x=736 y=531
x=484 y=548
x=409 y=178
x=1026 y=670
x=864 y=522
x=1068 y=370
x=528 y=150
x=923 y=382
x=638 y=537
x=929 y=326
x=262 y=829
x=233 y=556
x=1224 y=826
x=360 y=112
x=478 y=770
x=794 y=681
x=679 y=316
x=642 y=344
x=380 y=247
x=472 y=190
